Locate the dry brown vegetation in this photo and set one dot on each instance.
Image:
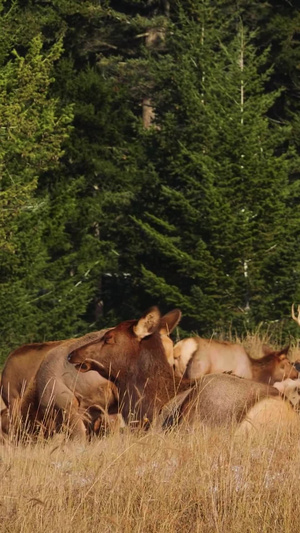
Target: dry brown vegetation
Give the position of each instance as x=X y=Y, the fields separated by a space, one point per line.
x=204 y=480
x=253 y=344
x=193 y=481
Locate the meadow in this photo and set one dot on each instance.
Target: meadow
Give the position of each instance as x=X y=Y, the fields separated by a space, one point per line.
x=199 y=480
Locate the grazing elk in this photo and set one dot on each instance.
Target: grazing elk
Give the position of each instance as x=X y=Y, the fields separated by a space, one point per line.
x=131 y=355
x=194 y=357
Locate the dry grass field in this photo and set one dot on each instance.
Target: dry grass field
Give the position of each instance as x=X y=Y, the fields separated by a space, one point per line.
x=186 y=481
x=201 y=481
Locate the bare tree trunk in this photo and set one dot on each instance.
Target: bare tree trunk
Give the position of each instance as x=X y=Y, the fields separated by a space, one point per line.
x=154 y=38
x=148 y=113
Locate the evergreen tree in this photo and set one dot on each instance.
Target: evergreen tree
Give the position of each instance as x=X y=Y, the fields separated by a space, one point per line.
x=33 y=128
x=225 y=229
x=105 y=147
x=85 y=196
x=177 y=183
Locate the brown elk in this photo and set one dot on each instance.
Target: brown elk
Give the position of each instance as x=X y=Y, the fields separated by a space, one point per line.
x=131 y=355
x=23 y=363
x=39 y=380
x=195 y=357
x=55 y=396
x=20 y=366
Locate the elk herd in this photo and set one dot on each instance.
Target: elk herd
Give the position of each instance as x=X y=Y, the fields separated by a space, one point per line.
x=132 y=374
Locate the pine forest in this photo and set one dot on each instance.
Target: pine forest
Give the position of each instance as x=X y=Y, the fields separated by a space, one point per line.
x=149 y=155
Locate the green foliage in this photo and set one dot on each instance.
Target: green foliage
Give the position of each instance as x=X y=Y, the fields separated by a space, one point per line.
x=228 y=165
x=100 y=217
x=33 y=129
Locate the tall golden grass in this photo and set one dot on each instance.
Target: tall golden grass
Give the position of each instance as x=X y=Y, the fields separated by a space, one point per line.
x=201 y=480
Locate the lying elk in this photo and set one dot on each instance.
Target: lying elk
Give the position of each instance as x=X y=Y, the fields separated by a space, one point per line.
x=38 y=380
x=131 y=355
x=194 y=357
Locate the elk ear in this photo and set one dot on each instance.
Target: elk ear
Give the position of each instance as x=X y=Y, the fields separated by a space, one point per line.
x=267 y=350
x=169 y=321
x=283 y=353
x=148 y=323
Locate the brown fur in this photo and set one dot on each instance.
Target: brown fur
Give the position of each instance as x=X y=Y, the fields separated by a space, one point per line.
x=167 y=324
x=23 y=363
x=52 y=394
x=145 y=382
x=270 y=415
x=20 y=366
x=44 y=384
x=290 y=389
x=195 y=357
x=273 y=367
x=147 y=385
x=2 y=404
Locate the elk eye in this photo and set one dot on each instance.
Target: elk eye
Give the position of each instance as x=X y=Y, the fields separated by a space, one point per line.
x=81 y=366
